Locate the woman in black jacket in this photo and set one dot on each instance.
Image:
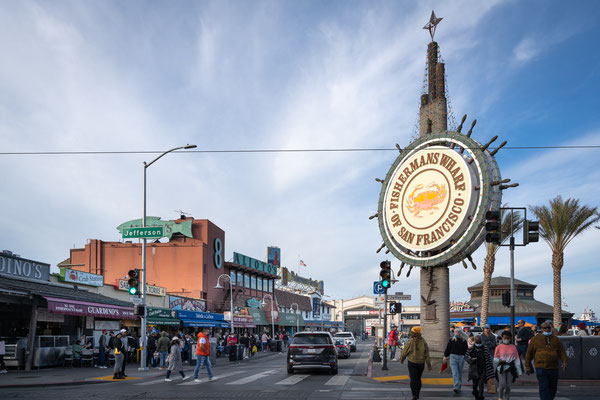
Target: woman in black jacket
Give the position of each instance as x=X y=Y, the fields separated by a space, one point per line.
x=119 y=350
x=481 y=367
x=455 y=355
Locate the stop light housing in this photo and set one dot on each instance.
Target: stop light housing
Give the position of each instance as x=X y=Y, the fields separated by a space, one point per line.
x=506 y=298
x=133 y=282
x=493 y=227
x=139 y=310
x=531 y=231
x=385 y=274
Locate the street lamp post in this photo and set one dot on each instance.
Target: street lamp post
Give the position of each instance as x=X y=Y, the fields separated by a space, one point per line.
x=272 y=319
x=143 y=292
x=297 y=321
x=230 y=297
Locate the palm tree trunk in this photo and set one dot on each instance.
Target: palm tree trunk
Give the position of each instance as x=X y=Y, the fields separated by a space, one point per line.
x=488 y=270
x=557 y=264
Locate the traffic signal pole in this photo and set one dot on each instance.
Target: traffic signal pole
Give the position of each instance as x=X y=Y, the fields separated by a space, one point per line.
x=384 y=361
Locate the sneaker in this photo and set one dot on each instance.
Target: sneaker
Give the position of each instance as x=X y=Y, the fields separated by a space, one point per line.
x=168 y=380
x=197 y=380
x=186 y=377
x=4 y=371
x=103 y=366
x=213 y=378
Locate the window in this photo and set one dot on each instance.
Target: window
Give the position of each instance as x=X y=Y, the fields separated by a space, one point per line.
x=259 y=282
x=232 y=276
x=253 y=282
x=240 y=278
x=247 y=281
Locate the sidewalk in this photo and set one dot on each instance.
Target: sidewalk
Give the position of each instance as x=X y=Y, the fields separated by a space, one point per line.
x=398 y=373
x=90 y=375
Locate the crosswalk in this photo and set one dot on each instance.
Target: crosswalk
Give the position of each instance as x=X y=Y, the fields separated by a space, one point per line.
x=337 y=380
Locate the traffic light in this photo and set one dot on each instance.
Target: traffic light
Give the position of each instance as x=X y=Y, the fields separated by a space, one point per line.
x=133 y=282
x=531 y=231
x=395 y=308
x=492 y=226
x=385 y=275
x=506 y=298
x=139 y=310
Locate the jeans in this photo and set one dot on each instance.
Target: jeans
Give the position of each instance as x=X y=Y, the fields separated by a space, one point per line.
x=264 y=346
x=163 y=358
x=415 y=371
x=456 y=365
x=547 y=382
x=522 y=349
x=101 y=358
x=202 y=360
x=392 y=352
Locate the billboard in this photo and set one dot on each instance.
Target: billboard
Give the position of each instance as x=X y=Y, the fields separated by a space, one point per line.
x=274 y=256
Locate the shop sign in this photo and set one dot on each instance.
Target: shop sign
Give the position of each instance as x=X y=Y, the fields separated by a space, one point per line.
x=186 y=303
x=461 y=306
x=363 y=312
x=83 y=278
x=45 y=316
x=82 y=308
x=168 y=227
x=160 y=313
x=316 y=307
x=371 y=322
x=150 y=290
x=24 y=268
x=288 y=276
x=89 y=322
x=108 y=325
x=274 y=256
x=238 y=318
x=287 y=318
x=253 y=303
x=254 y=263
x=182 y=314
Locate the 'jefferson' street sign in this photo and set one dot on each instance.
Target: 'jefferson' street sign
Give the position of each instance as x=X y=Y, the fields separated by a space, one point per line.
x=149 y=232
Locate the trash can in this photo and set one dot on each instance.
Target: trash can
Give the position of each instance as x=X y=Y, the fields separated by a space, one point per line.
x=273 y=345
x=240 y=351
x=573 y=348
x=232 y=353
x=280 y=346
x=590 y=351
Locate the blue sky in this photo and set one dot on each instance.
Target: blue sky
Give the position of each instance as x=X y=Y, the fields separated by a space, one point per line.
x=102 y=75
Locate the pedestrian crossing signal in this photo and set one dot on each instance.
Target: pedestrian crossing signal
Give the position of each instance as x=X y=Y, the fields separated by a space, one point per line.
x=395 y=308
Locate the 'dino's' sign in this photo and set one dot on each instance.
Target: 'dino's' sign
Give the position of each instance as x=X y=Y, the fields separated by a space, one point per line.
x=23 y=268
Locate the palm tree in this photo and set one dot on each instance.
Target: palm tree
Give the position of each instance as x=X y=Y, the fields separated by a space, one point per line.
x=511 y=222
x=559 y=224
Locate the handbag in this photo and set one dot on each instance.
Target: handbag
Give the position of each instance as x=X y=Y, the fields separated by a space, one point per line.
x=254 y=349
x=491 y=386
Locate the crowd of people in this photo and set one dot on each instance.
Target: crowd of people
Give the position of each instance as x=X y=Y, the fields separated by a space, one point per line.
x=493 y=361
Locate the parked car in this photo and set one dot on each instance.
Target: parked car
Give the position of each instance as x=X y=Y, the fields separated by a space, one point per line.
x=312 y=350
x=349 y=337
x=342 y=347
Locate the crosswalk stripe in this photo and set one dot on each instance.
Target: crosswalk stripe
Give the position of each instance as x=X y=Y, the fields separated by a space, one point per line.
x=292 y=380
x=203 y=380
x=252 y=378
x=150 y=382
x=338 y=380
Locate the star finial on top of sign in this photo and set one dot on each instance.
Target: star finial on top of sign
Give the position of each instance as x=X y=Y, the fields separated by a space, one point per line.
x=433 y=21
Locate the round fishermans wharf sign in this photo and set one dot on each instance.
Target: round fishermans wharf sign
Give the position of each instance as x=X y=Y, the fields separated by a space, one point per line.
x=434 y=199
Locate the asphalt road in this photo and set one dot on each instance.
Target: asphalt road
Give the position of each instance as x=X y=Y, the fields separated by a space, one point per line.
x=264 y=379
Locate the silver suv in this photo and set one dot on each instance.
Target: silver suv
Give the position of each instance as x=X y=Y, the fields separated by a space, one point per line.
x=348 y=337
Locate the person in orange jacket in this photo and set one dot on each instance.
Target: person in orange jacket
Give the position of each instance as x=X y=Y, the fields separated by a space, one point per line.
x=203 y=355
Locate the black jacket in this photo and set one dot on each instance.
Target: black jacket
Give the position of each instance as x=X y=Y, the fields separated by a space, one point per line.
x=456 y=346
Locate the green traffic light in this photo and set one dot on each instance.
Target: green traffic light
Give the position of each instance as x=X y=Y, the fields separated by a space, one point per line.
x=132 y=290
x=385 y=283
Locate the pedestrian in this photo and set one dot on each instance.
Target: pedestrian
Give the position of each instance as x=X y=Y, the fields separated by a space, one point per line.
x=245 y=342
x=125 y=340
x=150 y=349
x=252 y=344
x=582 y=330
x=596 y=331
x=175 y=360
x=203 y=355
x=455 y=350
x=2 y=353
x=524 y=334
x=506 y=357
x=118 y=350
x=286 y=338
x=488 y=339
x=163 y=349
x=563 y=331
x=393 y=341
x=102 y=344
x=231 y=342
x=545 y=350
x=264 y=340
x=481 y=366
x=416 y=351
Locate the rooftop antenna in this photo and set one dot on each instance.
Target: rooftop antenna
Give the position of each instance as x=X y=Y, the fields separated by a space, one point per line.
x=182 y=214
x=431 y=25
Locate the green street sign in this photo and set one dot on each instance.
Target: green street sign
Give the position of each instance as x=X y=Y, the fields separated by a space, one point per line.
x=150 y=232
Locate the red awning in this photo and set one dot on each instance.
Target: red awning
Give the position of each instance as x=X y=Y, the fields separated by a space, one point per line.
x=83 y=308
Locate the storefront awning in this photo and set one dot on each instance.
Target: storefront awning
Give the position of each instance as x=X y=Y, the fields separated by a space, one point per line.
x=505 y=320
x=201 y=323
x=83 y=308
x=259 y=316
x=163 y=321
x=290 y=319
x=199 y=319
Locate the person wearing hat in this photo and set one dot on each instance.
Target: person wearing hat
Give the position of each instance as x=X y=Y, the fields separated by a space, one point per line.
x=416 y=351
x=393 y=341
x=125 y=340
x=581 y=329
x=175 y=360
x=102 y=345
x=119 y=350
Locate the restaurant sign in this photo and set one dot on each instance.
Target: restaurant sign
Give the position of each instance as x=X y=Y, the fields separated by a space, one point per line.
x=24 y=268
x=152 y=312
x=186 y=303
x=83 y=278
x=199 y=315
x=254 y=263
x=150 y=290
x=82 y=308
x=253 y=303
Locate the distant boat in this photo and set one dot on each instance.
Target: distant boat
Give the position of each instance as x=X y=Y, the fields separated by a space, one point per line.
x=589 y=315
